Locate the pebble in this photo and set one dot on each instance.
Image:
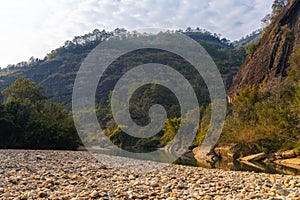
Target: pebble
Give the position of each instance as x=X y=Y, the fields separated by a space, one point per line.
x=42 y=194
x=6 y=194
x=94 y=194
x=62 y=174
x=180 y=185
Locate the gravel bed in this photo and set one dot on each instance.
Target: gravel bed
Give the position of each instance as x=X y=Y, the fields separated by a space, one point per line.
x=74 y=175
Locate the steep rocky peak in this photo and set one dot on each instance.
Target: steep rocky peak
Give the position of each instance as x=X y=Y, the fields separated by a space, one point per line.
x=267 y=64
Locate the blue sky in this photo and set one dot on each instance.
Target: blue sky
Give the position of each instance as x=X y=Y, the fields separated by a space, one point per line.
x=35 y=27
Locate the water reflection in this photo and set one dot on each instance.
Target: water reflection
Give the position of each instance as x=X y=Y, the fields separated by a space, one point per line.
x=235 y=165
x=189 y=160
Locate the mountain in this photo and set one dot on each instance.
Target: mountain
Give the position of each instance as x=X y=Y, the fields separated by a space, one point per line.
x=57 y=71
x=254 y=37
x=265 y=94
x=269 y=60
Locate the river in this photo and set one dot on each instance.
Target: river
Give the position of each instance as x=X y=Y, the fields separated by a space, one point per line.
x=189 y=160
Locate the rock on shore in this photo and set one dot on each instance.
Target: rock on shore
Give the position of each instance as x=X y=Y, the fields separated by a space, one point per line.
x=77 y=175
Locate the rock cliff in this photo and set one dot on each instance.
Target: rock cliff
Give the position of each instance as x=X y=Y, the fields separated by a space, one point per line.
x=267 y=64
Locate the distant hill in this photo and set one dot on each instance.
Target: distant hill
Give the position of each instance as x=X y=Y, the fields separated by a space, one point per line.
x=57 y=71
x=254 y=37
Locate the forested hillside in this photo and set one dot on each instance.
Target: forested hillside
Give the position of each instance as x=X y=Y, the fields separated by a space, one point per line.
x=57 y=71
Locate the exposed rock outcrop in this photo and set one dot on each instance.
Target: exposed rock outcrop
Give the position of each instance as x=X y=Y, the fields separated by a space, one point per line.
x=286 y=154
x=268 y=63
x=229 y=152
x=254 y=158
x=292 y=163
x=203 y=157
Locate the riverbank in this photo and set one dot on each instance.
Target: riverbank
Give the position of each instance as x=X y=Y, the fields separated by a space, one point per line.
x=228 y=158
x=77 y=175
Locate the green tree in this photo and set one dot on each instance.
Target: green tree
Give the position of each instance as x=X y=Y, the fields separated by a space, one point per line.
x=23 y=90
x=9 y=130
x=278 y=6
x=53 y=128
x=251 y=48
x=170 y=129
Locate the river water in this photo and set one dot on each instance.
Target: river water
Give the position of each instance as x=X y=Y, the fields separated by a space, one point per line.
x=258 y=167
x=189 y=160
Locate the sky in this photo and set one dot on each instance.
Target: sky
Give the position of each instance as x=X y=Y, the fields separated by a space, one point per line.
x=35 y=27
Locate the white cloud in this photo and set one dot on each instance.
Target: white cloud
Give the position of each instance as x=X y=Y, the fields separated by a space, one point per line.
x=34 y=27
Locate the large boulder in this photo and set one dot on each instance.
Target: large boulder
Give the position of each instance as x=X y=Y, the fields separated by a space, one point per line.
x=291 y=162
x=254 y=158
x=203 y=157
x=228 y=152
x=286 y=154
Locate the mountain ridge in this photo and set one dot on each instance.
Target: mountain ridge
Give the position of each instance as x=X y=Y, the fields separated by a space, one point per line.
x=57 y=71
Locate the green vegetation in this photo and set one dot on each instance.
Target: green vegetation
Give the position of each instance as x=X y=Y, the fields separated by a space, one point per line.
x=28 y=120
x=277 y=7
x=61 y=65
x=270 y=121
x=259 y=120
x=251 y=48
x=170 y=130
x=227 y=59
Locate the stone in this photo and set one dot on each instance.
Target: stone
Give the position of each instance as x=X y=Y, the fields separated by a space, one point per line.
x=229 y=152
x=180 y=185
x=7 y=194
x=94 y=194
x=254 y=158
x=51 y=181
x=154 y=184
x=282 y=192
x=42 y=194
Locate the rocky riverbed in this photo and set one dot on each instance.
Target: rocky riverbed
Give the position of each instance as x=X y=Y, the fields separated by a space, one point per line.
x=78 y=175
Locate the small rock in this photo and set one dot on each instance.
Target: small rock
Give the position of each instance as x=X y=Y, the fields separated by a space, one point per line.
x=6 y=194
x=180 y=185
x=42 y=194
x=282 y=192
x=173 y=194
x=196 y=194
x=165 y=189
x=154 y=184
x=32 y=193
x=151 y=194
x=94 y=194
x=131 y=177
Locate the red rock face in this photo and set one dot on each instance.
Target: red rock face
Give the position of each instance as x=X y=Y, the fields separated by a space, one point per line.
x=268 y=63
